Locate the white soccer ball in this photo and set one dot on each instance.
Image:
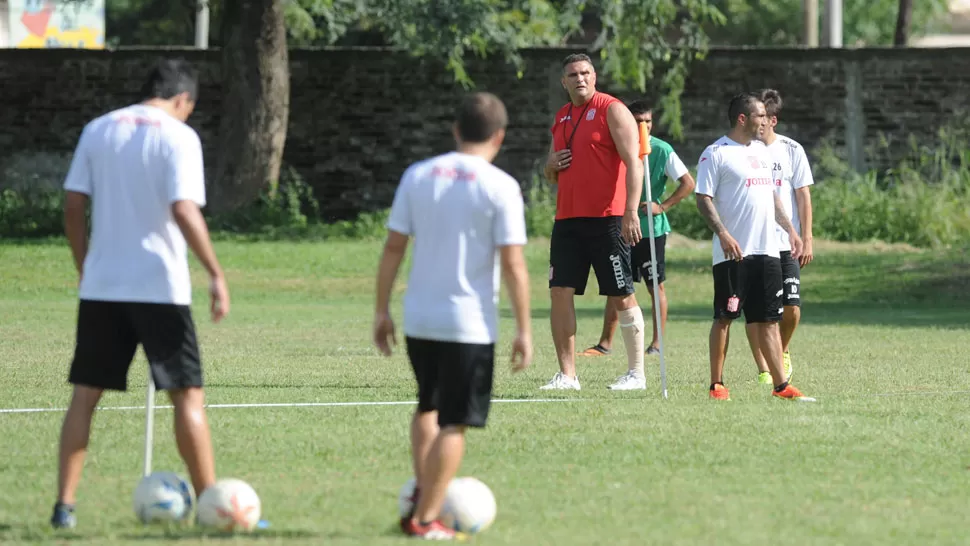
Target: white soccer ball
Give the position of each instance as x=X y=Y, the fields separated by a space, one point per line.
x=469 y=506
x=405 y=498
x=161 y=497
x=229 y=505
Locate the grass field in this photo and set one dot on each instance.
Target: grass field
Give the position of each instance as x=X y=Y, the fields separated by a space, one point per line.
x=882 y=458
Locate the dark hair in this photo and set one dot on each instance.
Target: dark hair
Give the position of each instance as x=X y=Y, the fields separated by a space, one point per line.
x=640 y=107
x=772 y=100
x=171 y=77
x=742 y=103
x=576 y=58
x=480 y=116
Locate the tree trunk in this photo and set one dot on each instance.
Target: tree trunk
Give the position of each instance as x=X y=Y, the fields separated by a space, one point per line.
x=904 y=20
x=255 y=102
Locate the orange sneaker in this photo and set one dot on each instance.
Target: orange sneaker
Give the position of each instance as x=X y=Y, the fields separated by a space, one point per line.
x=790 y=392
x=720 y=392
x=595 y=350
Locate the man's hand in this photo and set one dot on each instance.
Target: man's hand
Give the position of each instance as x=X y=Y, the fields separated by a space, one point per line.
x=731 y=248
x=630 y=228
x=218 y=298
x=654 y=209
x=808 y=253
x=384 y=333
x=796 y=245
x=559 y=161
x=521 y=351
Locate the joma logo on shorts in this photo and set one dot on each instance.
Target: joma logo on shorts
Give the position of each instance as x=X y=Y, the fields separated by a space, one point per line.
x=617 y=270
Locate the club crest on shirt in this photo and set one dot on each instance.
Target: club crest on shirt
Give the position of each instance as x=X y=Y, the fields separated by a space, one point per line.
x=591 y=114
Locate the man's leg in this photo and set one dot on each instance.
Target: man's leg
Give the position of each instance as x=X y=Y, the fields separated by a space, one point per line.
x=789 y=322
x=631 y=328
x=769 y=339
x=424 y=430
x=563 y=321
x=440 y=468
x=718 y=344
x=753 y=334
x=192 y=436
x=661 y=300
x=105 y=346
x=75 y=433
x=605 y=344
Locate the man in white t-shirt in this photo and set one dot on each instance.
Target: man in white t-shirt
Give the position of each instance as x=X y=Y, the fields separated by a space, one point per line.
x=664 y=164
x=793 y=180
x=468 y=223
x=735 y=194
x=140 y=168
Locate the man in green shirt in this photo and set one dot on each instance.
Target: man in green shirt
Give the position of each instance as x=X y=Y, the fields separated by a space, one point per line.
x=663 y=163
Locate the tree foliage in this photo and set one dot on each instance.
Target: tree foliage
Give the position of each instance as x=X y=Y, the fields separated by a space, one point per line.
x=779 y=22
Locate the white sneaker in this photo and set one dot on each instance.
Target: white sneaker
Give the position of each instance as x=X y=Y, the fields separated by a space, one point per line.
x=630 y=381
x=562 y=382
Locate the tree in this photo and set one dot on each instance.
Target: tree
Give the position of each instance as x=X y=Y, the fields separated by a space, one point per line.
x=904 y=21
x=777 y=22
x=255 y=104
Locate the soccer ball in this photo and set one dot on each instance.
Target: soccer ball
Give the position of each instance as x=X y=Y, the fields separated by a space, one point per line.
x=162 y=496
x=469 y=506
x=229 y=505
x=405 y=498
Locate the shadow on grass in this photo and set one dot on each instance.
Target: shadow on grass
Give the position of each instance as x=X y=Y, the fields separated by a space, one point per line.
x=924 y=289
x=179 y=534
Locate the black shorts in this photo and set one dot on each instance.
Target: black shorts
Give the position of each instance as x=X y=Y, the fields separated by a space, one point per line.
x=791 y=273
x=642 y=263
x=454 y=379
x=578 y=243
x=109 y=332
x=753 y=285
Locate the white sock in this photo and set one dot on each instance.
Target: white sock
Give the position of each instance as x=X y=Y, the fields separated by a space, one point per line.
x=631 y=326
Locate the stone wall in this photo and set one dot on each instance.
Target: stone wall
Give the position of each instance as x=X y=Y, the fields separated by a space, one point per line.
x=360 y=116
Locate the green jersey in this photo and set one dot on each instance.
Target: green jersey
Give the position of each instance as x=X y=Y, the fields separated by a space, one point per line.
x=664 y=163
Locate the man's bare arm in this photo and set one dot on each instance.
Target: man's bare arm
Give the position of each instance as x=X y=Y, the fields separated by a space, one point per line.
x=780 y=217
x=516 y=277
x=394 y=250
x=803 y=198
x=193 y=227
x=685 y=187
x=707 y=209
x=76 y=227
x=623 y=129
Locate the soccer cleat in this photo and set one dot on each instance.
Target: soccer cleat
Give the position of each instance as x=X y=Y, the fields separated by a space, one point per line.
x=63 y=516
x=720 y=392
x=406 y=519
x=651 y=350
x=562 y=382
x=432 y=531
x=790 y=392
x=630 y=381
x=786 y=361
x=595 y=350
x=765 y=378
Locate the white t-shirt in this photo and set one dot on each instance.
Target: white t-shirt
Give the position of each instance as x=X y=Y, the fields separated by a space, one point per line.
x=791 y=171
x=460 y=209
x=738 y=178
x=134 y=163
x=675 y=168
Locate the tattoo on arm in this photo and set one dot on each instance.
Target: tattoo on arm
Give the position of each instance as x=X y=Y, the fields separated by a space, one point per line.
x=780 y=217
x=706 y=206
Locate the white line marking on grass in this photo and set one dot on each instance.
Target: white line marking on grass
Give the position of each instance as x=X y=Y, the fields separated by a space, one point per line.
x=919 y=393
x=292 y=405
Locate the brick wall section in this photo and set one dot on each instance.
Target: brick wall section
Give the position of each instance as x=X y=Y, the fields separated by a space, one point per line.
x=360 y=116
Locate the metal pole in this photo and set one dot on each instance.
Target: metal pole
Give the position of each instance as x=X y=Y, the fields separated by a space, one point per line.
x=202 y=24
x=810 y=15
x=833 y=23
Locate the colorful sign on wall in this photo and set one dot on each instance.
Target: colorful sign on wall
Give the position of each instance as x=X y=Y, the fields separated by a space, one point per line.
x=55 y=23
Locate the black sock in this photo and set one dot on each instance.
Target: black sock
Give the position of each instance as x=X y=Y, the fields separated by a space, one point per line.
x=68 y=507
x=781 y=387
x=424 y=523
x=718 y=383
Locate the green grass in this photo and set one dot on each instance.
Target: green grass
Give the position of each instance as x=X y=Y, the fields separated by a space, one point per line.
x=882 y=458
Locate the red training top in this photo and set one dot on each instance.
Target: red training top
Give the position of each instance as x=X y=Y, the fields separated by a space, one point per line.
x=594 y=184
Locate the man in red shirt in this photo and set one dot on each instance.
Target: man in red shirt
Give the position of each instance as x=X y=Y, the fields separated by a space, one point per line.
x=594 y=160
